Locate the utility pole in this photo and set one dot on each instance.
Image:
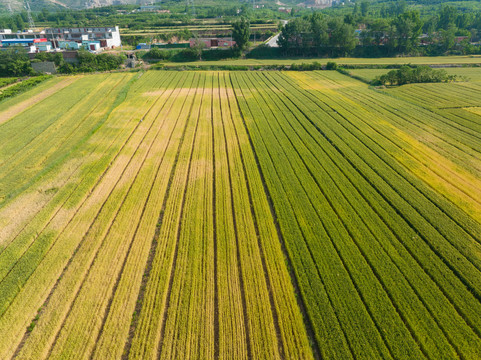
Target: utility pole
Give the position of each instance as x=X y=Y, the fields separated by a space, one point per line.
x=190 y=5
x=31 y=24
x=253 y=9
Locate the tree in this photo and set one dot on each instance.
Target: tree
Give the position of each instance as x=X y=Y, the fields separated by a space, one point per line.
x=14 y=62
x=379 y=30
x=349 y=19
x=364 y=7
x=448 y=37
x=408 y=28
x=447 y=17
x=19 y=22
x=198 y=48
x=319 y=30
x=465 y=21
x=355 y=11
x=342 y=36
x=241 y=33
x=293 y=37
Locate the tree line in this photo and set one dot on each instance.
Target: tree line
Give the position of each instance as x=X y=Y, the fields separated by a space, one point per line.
x=16 y=62
x=402 y=31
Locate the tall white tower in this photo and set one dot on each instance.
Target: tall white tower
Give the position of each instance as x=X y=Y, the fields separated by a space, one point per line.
x=31 y=24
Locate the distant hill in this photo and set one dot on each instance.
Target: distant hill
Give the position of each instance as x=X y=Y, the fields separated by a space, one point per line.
x=36 y=5
x=19 y=5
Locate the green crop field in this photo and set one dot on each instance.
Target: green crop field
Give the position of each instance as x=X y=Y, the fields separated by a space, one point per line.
x=464 y=73
x=470 y=60
x=240 y=215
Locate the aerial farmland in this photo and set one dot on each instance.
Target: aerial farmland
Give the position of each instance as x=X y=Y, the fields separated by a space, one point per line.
x=240 y=215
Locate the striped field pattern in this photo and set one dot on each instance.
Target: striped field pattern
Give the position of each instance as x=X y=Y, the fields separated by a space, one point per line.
x=240 y=215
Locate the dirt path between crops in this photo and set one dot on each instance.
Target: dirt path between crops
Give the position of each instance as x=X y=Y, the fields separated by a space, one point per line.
x=24 y=105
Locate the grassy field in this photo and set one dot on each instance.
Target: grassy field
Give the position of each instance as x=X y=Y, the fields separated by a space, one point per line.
x=469 y=73
x=240 y=215
x=433 y=60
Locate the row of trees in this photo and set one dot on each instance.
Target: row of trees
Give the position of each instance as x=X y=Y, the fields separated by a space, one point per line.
x=443 y=32
x=14 y=62
x=317 y=34
x=408 y=75
x=447 y=30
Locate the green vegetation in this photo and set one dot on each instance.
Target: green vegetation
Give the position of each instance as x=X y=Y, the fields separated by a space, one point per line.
x=14 y=62
x=408 y=75
x=7 y=81
x=462 y=73
x=22 y=86
x=87 y=62
x=350 y=63
x=241 y=215
x=391 y=33
x=241 y=34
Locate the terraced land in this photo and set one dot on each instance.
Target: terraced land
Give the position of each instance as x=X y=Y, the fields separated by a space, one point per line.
x=240 y=215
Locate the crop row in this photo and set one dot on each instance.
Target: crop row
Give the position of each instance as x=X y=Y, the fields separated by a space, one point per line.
x=83 y=324
x=69 y=225
x=401 y=114
x=420 y=120
x=447 y=227
x=239 y=215
x=303 y=105
x=453 y=182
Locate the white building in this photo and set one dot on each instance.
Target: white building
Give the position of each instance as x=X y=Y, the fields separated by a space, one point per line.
x=109 y=36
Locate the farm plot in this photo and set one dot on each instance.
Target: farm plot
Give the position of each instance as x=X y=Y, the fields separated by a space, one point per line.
x=464 y=73
x=242 y=215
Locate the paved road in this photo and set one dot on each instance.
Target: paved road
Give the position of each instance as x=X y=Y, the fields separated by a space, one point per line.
x=273 y=41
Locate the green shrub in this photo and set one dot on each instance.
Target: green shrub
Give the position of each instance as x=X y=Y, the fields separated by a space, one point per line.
x=331 y=65
x=409 y=75
x=23 y=86
x=307 y=67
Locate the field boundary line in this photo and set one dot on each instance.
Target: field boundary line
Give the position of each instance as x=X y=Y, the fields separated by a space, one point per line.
x=214 y=215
